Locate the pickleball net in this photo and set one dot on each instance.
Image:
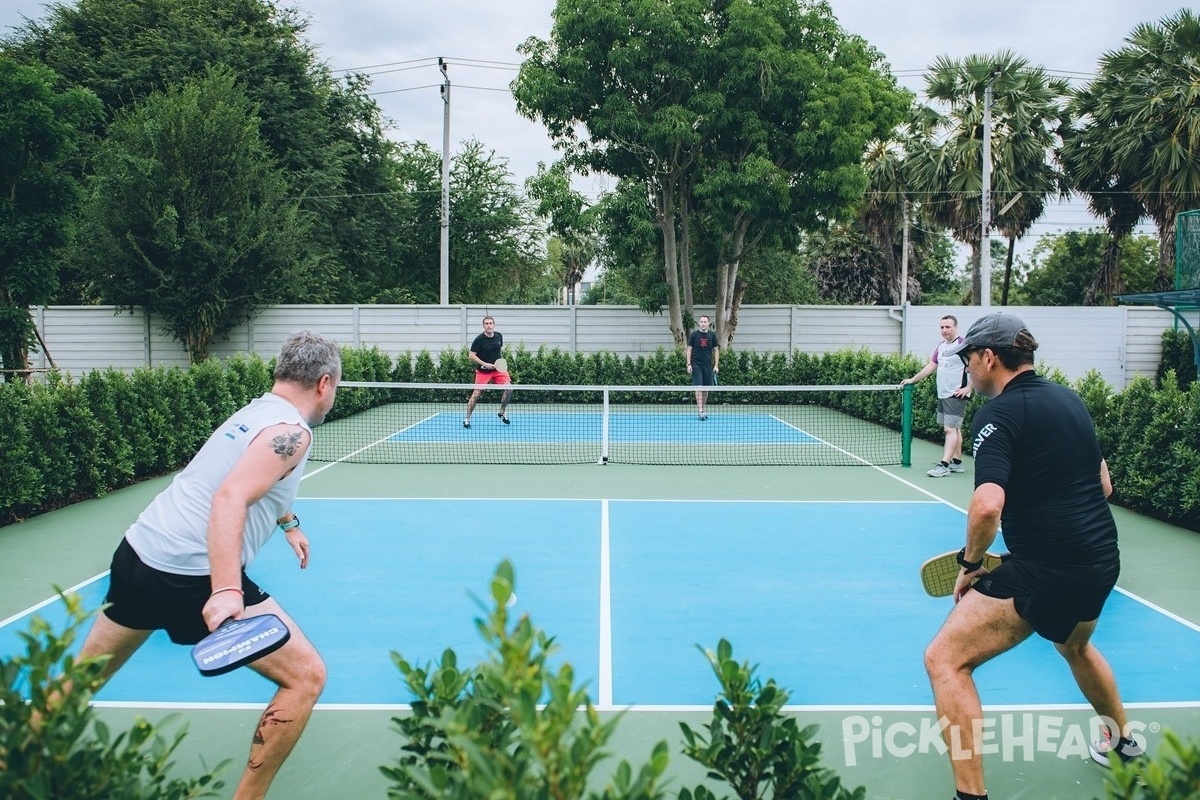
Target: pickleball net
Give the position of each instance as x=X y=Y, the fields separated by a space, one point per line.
x=422 y=423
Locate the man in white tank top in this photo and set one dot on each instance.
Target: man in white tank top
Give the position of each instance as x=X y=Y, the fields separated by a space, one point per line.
x=181 y=565
x=953 y=391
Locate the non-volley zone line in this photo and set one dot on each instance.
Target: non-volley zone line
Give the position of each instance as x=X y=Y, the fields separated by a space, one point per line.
x=624 y=427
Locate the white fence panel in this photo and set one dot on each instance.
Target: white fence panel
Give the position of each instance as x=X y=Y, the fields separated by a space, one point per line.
x=1145 y=326
x=1119 y=342
x=826 y=329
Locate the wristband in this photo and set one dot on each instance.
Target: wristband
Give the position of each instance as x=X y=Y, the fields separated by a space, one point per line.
x=228 y=589
x=294 y=522
x=969 y=566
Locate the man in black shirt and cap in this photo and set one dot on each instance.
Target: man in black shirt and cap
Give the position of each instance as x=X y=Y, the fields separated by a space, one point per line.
x=1040 y=474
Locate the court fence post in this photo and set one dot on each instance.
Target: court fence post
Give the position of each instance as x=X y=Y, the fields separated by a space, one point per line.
x=604 y=418
x=906 y=426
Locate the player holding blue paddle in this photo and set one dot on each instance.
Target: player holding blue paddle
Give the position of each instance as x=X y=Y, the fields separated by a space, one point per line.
x=181 y=566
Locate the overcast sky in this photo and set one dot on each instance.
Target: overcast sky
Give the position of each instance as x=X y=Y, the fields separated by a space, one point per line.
x=398 y=43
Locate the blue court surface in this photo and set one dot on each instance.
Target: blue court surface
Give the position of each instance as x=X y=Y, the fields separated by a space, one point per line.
x=824 y=597
x=573 y=426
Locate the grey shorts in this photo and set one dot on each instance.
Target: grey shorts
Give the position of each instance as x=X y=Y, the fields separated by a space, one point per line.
x=950 y=411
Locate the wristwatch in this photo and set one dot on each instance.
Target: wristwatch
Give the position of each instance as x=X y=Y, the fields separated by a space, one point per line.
x=969 y=566
x=294 y=522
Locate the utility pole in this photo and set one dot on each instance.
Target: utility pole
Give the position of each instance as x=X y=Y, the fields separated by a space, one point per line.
x=985 y=238
x=904 y=260
x=444 y=276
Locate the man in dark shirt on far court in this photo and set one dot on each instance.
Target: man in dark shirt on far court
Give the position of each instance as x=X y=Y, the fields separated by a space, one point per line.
x=703 y=360
x=1039 y=472
x=485 y=350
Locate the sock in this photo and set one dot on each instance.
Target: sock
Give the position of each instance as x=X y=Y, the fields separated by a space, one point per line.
x=958 y=461
x=961 y=795
x=943 y=463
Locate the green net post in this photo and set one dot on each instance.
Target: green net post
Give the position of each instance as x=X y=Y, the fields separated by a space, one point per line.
x=906 y=427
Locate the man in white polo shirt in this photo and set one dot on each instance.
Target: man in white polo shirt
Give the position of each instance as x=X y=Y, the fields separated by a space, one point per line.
x=953 y=391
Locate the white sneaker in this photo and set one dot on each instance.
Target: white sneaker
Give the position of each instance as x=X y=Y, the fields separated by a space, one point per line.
x=959 y=467
x=939 y=471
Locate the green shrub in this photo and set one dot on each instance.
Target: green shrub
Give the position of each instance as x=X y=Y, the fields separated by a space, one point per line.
x=1172 y=772
x=22 y=489
x=509 y=728
x=51 y=743
x=115 y=454
x=1178 y=355
x=753 y=746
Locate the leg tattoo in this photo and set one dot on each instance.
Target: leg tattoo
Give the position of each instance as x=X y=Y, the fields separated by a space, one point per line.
x=269 y=717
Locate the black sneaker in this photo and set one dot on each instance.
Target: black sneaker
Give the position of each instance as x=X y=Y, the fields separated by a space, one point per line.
x=466 y=423
x=503 y=418
x=1102 y=749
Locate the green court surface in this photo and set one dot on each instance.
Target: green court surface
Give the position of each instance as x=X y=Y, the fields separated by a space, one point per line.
x=341 y=750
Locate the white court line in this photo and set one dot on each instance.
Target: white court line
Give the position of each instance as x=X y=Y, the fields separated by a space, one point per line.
x=50 y=600
x=319 y=470
x=605 y=688
x=1136 y=598
x=921 y=709
x=866 y=463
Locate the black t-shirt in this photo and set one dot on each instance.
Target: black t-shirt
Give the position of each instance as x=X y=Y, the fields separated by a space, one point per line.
x=1037 y=441
x=702 y=343
x=487 y=347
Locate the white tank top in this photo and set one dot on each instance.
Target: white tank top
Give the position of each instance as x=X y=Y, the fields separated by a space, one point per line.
x=171 y=535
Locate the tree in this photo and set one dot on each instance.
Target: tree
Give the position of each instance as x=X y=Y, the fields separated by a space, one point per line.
x=630 y=255
x=494 y=246
x=1144 y=108
x=627 y=72
x=570 y=218
x=1062 y=268
x=800 y=100
x=945 y=158
x=743 y=121
x=325 y=134
x=40 y=132
x=1090 y=162
x=188 y=216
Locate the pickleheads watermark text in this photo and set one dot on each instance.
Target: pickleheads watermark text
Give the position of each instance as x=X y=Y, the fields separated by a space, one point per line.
x=1012 y=737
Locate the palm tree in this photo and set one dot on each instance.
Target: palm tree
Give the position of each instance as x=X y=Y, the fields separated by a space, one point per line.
x=1089 y=159
x=945 y=161
x=1145 y=108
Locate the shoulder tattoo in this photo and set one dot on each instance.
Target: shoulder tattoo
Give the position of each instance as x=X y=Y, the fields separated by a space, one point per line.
x=286 y=444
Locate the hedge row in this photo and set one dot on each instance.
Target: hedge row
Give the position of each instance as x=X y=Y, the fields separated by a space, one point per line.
x=67 y=440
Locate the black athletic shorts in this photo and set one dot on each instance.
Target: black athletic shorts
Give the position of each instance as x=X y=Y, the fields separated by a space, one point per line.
x=145 y=598
x=1052 y=599
x=702 y=375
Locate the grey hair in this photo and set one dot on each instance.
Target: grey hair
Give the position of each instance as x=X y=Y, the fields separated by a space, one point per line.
x=306 y=356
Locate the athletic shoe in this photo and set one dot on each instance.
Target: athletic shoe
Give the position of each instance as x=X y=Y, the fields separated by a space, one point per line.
x=704 y=416
x=503 y=418
x=959 y=467
x=939 y=471
x=1101 y=748
x=466 y=423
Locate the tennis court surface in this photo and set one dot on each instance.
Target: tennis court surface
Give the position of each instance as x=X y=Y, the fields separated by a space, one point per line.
x=810 y=572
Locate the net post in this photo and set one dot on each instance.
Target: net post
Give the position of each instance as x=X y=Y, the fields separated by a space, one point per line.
x=604 y=419
x=906 y=426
